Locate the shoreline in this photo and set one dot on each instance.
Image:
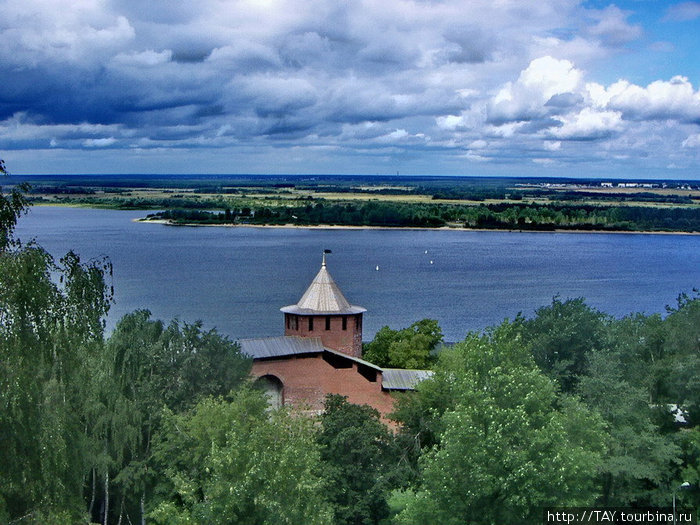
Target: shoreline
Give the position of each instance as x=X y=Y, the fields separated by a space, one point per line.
x=167 y=222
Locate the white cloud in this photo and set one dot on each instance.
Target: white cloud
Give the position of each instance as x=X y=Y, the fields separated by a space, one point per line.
x=507 y=130
x=674 y=99
x=543 y=79
x=475 y=157
x=36 y=31
x=394 y=136
x=451 y=122
x=693 y=141
x=588 y=124
x=147 y=58
x=99 y=143
x=544 y=161
x=683 y=12
x=612 y=26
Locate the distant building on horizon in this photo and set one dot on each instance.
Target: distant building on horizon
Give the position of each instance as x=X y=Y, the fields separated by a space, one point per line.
x=320 y=353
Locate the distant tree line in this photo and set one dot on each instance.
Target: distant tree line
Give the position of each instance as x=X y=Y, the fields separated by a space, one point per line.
x=620 y=197
x=497 y=216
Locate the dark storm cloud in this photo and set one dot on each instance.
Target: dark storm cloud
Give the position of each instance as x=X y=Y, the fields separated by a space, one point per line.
x=190 y=56
x=497 y=80
x=244 y=59
x=472 y=44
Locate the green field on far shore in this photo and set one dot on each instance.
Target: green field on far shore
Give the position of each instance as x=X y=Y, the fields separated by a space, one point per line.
x=463 y=202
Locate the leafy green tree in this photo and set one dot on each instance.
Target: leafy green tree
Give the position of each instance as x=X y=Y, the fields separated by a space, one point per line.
x=358 y=461
x=689 y=442
x=145 y=367
x=682 y=346
x=562 y=335
x=638 y=342
x=50 y=337
x=377 y=351
x=419 y=415
x=12 y=206
x=510 y=444
x=235 y=462
x=651 y=364
x=640 y=461
x=407 y=348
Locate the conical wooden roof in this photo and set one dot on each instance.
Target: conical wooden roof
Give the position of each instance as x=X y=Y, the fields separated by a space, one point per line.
x=323 y=297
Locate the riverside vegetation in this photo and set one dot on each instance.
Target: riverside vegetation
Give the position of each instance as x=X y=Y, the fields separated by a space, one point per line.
x=159 y=423
x=424 y=202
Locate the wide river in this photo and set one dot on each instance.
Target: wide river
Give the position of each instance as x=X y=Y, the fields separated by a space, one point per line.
x=236 y=279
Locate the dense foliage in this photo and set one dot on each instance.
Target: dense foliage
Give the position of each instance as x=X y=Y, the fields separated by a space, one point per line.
x=407 y=348
x=621 y=395
x=79 y=412
x=358 y=457
x=50 y=336
x=233 y=462
x=508 y=444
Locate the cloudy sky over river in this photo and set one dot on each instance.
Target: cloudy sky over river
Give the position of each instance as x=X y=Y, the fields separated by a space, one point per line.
x=483 y=87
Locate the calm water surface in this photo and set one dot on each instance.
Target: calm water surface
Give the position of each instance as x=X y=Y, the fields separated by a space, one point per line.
x=236 y=279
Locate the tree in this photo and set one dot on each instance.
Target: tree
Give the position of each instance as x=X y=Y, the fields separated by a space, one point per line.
x=181 y=362
x=235 y=462
x=562 y=335
x=407 y=348
x=510 y=445
x=419 y=415
x=147 y=366
x=640 y=461
x=358 y=460
x=50 y=337
x=682 y=345
x=12 y=206
x=689 y=442
x=638 y=343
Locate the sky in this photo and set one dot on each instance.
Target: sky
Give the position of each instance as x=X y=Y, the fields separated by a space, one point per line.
x=445 y=87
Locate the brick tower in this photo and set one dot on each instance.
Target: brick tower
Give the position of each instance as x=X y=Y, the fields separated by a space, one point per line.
x=324 y=312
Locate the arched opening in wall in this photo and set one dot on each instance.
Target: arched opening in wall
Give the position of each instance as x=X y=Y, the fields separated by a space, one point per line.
x=272 y=387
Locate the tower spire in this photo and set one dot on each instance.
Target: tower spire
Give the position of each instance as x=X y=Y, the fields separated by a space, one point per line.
x=337 y=322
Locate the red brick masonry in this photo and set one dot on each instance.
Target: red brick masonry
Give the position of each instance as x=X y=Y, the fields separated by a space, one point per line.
x=307 y=379
x=330 y=329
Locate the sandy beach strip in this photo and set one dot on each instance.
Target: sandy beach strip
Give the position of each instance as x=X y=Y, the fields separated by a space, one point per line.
x=168 y=222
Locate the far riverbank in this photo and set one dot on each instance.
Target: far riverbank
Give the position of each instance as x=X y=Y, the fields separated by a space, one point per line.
x=168 y=222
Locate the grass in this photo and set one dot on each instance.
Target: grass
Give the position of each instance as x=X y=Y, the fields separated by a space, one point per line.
x=271 y=196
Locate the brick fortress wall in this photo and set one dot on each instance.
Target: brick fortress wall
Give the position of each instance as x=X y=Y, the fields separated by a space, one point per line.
x=307 y=380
